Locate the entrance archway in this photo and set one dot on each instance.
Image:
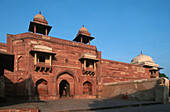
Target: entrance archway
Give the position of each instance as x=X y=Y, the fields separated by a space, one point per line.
x=64 y=89
x=65 y=85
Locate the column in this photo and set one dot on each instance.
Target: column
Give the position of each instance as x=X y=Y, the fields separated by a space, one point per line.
x=34 y=28
x=152 y=73
x=85 y=64
x=50 y=60
x=94 y=66
x=89 y=41
x=81 y=39
x=35 y=58
x=46 y=31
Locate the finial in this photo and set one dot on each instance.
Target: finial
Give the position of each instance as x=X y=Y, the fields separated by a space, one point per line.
x=141 y=52
x=39 y=12
x=83 y=25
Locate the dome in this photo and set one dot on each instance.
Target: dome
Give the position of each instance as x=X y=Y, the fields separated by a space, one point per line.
x=142 y=60
x=39 y=16
x=83 y=29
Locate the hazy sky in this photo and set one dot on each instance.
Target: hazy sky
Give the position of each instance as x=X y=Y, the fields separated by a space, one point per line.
x=122 y=28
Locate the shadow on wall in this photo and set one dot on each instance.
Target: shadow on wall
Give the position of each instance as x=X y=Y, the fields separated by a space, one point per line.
x=6 y=62
x=16 y=93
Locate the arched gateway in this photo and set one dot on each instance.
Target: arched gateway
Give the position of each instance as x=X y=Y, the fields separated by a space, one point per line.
x=65 y=85
x=64 y=89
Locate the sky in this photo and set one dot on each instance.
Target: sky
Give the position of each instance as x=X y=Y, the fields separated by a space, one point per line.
x=122 y=28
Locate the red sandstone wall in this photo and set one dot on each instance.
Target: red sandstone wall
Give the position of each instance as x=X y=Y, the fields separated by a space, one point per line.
x=113 y=71
x=3 y=47
x=25 y=77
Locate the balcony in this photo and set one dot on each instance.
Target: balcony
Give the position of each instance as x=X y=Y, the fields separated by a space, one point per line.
x=89 y=71
x=42 y=66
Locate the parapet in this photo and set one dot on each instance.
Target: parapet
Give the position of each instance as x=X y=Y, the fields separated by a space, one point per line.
x=3 y=44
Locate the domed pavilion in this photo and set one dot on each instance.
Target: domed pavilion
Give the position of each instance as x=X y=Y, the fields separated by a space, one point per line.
x=39 y=25
x=146 y=61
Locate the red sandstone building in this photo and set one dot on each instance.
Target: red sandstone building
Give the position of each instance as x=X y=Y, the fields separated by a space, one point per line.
x=37 y=66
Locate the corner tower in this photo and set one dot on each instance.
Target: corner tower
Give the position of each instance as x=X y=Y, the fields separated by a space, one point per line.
x=39 y=25
x=83 y=36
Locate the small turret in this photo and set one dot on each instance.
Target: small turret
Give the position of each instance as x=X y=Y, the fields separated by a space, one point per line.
x=83 y=36
x=39 y=25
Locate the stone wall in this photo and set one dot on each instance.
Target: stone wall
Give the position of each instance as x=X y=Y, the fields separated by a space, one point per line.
x=65 y=66
x=114 y=71
x=3 y=47
x=146 y=89
x=35 y=80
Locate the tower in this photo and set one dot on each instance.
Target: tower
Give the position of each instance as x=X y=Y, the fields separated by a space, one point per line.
x=39 y=25
x=83 y=36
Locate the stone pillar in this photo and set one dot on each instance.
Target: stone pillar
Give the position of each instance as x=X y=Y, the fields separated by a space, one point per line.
x=81 y=39
x=35 y=58
x=85 y=64
x=50 y=60
x=34 y=28
x=94 y=66
x=46 y=31
x=52 y=90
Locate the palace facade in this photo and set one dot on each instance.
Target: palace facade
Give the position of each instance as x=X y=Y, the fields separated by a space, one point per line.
x=36 y=66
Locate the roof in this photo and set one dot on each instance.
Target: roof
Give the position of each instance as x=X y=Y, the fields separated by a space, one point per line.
x=144 y=60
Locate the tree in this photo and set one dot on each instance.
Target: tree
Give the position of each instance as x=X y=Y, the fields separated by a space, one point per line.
x=162 y=75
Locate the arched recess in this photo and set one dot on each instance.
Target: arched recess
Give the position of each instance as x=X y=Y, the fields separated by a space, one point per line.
x=42 y=87
x=64 y=89
x=69 y=79
x=21 y=63
x=71 y=73
x=87 y=88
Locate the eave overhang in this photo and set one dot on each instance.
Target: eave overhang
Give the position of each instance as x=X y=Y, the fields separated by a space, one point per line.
x=85 y=38
x=40 y=27
x=41 y=51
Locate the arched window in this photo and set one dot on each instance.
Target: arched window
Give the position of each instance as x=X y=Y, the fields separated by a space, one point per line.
x=42 y=87
x=21 y=63
x=87 y=88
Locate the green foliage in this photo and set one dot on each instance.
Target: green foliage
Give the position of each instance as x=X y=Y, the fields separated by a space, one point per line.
x=162 y=75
